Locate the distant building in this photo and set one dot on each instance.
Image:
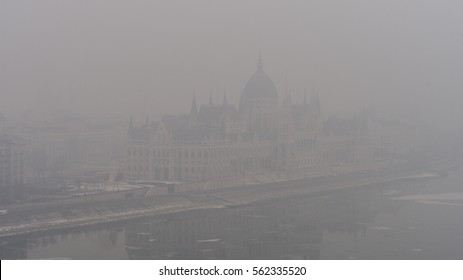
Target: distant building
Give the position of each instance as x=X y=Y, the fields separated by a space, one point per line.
x=70 y=149
x=219 y=141
x=11 y=163
x=261 y=138
x=346 y=145
x=390 y=138
x=2 y=123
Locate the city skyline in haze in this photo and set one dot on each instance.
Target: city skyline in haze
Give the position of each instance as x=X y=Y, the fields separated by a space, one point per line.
x=147 y=57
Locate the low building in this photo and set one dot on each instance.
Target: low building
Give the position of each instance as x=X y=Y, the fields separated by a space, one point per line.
x=221 y=142
x=263 y=140
x=11 y=163
x=70 y=149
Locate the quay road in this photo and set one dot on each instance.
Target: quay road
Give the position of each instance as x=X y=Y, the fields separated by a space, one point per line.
x=27 y=218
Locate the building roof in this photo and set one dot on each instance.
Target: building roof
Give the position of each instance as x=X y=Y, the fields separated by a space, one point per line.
x=338 y=126
x=215 y=112
x=197 y=134
x=259 y=88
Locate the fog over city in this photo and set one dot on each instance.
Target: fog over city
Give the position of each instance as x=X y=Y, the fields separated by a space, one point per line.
x=116 y=58
x=245 y=129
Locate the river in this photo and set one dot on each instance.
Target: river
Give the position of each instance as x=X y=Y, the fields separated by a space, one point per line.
x=414 y=220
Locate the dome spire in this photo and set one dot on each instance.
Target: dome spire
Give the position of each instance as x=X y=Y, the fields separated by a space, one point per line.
x=260 y=66
x=147 y=121
x=305 y=97
x=316 y=98
x=131 y=126
x=287 y=97
x=194 y=109
x=224 y=97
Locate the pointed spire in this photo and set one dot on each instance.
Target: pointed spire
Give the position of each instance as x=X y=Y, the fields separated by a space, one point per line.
x=305 y=97
x=194 y=108
x=286 y=84
x=260 y=66
x=225 y=97
x=316 y=97
x=131 y=124
x=287 y=97
x=147 y=121
x=211 y=101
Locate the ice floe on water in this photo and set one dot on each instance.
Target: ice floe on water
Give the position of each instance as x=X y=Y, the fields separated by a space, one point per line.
x=209 y=240
x=390 y=192
x=438 y=196
x=379 y=228
x=451 y=199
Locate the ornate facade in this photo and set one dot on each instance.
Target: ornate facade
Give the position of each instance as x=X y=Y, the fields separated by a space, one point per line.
x=11 y=163
x=219 y=141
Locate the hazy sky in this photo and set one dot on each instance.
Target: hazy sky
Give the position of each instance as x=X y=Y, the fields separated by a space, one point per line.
x=146 y=57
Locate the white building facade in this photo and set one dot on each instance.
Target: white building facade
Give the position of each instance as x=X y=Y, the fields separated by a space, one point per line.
x=218 y=141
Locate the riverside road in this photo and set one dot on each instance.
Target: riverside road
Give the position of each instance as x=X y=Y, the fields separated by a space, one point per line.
x=26 y=218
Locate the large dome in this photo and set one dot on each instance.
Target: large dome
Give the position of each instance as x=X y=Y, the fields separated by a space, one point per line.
x=259 y=89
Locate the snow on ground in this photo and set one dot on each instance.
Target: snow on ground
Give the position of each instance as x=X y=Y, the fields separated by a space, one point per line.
x=450 y=199
x=438 y=196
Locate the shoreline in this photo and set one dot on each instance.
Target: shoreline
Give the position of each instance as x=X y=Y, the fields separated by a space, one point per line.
x=62 y=219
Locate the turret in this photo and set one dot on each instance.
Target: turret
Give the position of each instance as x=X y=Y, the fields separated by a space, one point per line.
x=305 y=97
x=260 y=66
x=131 y=127
x=287 y=98
x=211 y=101
x=194 y=108
x=224 y=103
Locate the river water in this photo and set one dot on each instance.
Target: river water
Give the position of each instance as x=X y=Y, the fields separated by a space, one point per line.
x=414 y=220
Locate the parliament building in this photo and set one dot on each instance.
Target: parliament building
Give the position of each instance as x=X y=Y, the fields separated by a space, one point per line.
x=262 y=139
x=220 y=141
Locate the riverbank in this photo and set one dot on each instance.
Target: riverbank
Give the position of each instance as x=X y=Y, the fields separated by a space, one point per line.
x=27 y=220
